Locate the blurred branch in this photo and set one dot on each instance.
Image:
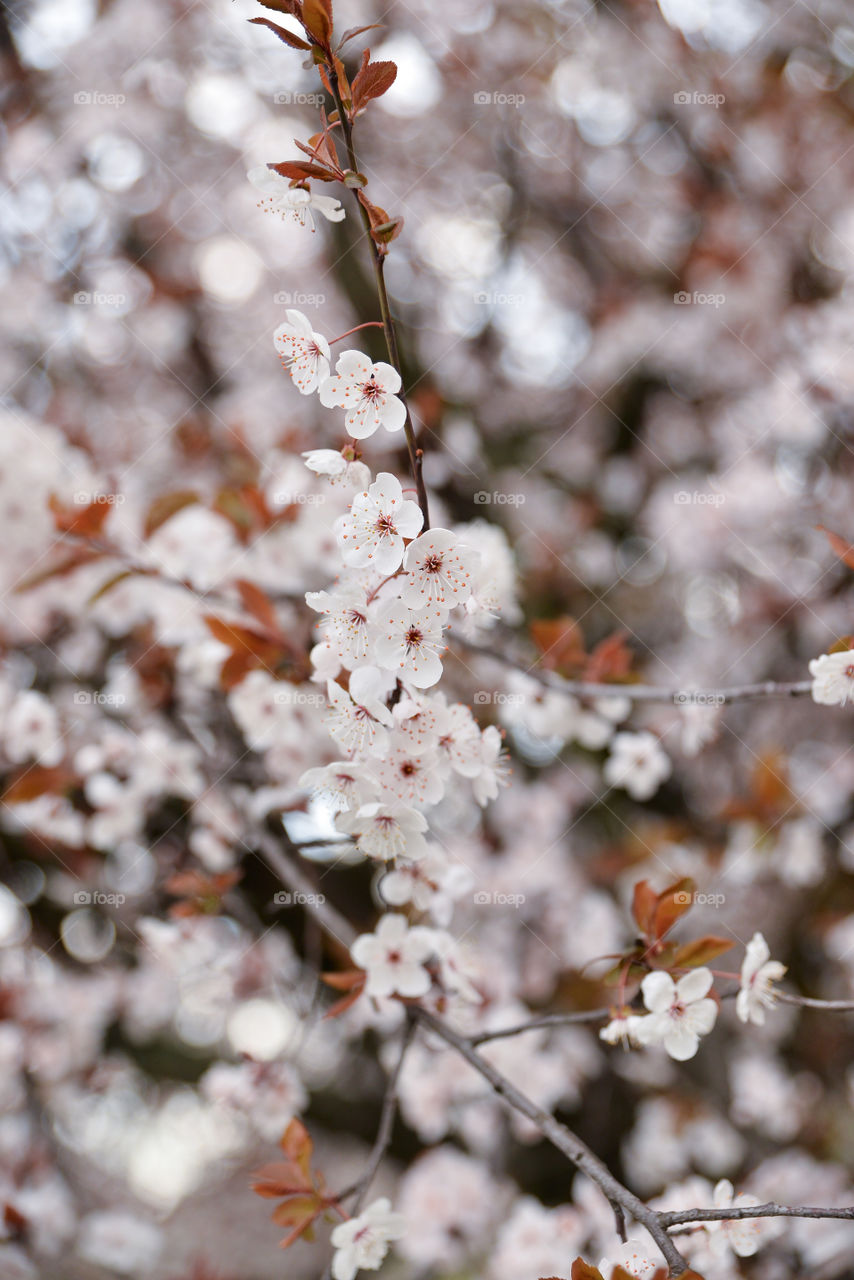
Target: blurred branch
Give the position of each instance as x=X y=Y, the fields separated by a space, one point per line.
x=769 y=1210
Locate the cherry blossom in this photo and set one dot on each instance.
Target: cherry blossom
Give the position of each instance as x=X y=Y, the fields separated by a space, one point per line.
x=304 y=353
x=637 y=764
x=31 y=730
x=494 y=766
x=833 y=678
x=344 y=625
x=367 y=392
x=361 y=1244
x=393 y=957
x=741 y=1236
x=634 y=1257
x=379 y=519
x=357 y=719
x=299 y=203
x=386 y=831
x=439 y=570
x=413 y=776
x=410 y=642
x=758 y=971
x=339 y=466
x=679 y=1012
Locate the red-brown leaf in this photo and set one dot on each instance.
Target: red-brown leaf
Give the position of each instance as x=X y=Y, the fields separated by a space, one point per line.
x=284 y=35
x=582 y=1270
x=79 y=521
x=673 y=902
x=644 y=903
x=163 y=508
x=701 y=951
x=844 y=550
x=317 y=19
x=372 y=81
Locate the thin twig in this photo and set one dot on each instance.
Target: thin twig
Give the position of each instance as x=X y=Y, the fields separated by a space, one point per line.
x=534 y=1024
x=562 y=1138
x=682 y=697
x=839 y=1006
x=769 y=1210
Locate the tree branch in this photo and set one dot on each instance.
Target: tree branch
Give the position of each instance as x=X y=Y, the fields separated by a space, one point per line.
x=563 y=1139
x=769 y=1210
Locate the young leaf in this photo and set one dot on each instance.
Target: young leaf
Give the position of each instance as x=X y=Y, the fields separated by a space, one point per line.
x=79 y=521
x=317 y=20
x=644 y=904
x=286 y=36
x=297 y=1145
x=372 y=81
x=166 y=506
x=844 y=550
x=582 y=1270
x=673 y=902
x=701 y=951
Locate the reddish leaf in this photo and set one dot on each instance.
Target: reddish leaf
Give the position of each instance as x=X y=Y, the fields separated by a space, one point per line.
x=296 y=1210
x=163 y=508
x=701 y=951
x=673 y=902
x=297 y=1145
x=286 y=36
x=317 y=19
x=372 y=81
x=644 y=903
x=844 y=550
x=38 y=780
x=298 y=170
x=582 y=1270
x=341 y=1006
x=291 y=7
x=559 y=641
x=610 y=660
x=260 y=606
x=352 y=32
x=344 y=981
x=278 y=1180
x=79 y=521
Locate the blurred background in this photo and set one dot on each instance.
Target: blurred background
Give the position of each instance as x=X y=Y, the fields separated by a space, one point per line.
x=625 y=289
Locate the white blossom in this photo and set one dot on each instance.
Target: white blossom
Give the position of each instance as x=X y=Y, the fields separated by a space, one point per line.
x=304 y=353
x=299 y=203
x=637 y=764
x=387 y=831
x=378 y=521
x=367 y=392
x=361 y=1244
x=679 y=1012
x=394 y=956
x=758 y=971
x=439 y=570
x=409 y=642
x=833 y=678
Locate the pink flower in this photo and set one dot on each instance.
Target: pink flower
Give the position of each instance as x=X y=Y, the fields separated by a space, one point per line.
x=367 y=391
x=679 y=1012
x=758 y=971
x=409 y=643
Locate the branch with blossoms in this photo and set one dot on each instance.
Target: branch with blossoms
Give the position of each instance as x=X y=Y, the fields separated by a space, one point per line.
x=379 y=655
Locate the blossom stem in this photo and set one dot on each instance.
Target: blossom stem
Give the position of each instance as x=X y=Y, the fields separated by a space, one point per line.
x=369 y=324
x=415 y=454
